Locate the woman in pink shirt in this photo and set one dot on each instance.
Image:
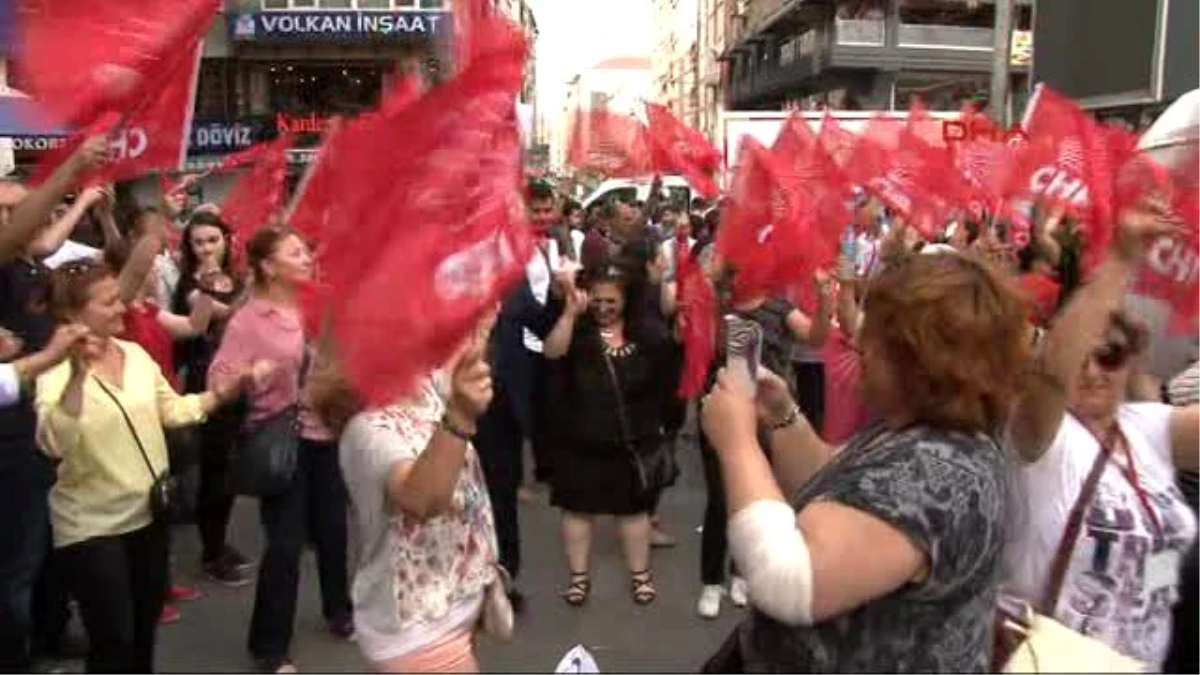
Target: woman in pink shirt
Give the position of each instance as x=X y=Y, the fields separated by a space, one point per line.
x=269 y=327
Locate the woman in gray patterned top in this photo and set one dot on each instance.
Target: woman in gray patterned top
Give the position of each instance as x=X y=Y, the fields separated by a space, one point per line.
x=882 y=555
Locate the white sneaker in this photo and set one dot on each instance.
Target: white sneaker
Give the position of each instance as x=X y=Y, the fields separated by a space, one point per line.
x=710 y=602
x=737 y=592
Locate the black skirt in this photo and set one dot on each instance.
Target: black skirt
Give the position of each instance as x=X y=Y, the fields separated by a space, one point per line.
x=602 y=478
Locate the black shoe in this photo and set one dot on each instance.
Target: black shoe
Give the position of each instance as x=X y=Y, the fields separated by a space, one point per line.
x=224 y=573
x=517 y=598
x=235 y=559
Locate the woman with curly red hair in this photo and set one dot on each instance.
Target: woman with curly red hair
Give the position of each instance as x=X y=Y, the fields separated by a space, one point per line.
x=884 y=554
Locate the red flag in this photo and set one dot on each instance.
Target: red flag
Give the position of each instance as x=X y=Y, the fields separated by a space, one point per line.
x=819 y=184
x=838 y=142
x=677 y=148
x=914 y=179
x=697 y=322
x=1171 y=271
x=82 y=59
x=430 y=231
x=151 y=136
x=256 y=199
x=763 y=230
x=1068 y=162
x=612 y=144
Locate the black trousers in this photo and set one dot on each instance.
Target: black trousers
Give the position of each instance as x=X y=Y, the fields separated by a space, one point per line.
x=214 y=501
x=24 y=539
x=314 y=506
x=1184 y=654
x=120 y=583
x=499 y=442
x=714 y=540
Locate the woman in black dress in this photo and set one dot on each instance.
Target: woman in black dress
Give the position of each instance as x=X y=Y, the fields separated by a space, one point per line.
x=207 y=268
x=611 y=457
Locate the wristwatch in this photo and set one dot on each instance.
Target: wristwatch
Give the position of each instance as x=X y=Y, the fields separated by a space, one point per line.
x=788 y=420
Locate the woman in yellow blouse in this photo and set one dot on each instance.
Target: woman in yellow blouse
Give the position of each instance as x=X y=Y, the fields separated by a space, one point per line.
x=101 y=414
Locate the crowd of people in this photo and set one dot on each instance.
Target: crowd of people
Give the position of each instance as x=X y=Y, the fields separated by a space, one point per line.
x=998 y=404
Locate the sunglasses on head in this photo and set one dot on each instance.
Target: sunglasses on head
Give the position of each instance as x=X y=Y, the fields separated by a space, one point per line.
x=1111 y=356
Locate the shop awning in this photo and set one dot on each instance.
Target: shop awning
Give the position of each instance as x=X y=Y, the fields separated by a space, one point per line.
x=19 y=117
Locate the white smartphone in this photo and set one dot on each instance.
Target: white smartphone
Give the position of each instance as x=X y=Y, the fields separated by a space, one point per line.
x=743 y=350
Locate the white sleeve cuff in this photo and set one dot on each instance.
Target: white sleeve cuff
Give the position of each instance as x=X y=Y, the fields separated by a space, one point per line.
x=10 y=385
x=773 y=558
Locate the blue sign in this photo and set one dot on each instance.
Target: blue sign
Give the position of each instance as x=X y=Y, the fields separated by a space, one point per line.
x=219 y=137
x=346 y=25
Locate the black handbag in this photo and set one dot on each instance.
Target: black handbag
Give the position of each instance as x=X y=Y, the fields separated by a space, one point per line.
x=655 y=470
x=166 y=500
x=263 y=460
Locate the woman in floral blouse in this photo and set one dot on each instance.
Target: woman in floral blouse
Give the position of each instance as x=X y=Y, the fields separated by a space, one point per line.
x=422 y=519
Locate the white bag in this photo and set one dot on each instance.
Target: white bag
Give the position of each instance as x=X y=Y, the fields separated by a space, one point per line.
x=577 y=660
x=1050 y=647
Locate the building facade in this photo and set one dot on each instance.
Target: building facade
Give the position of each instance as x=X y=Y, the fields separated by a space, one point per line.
x=716 y=19
x=275 y=66
x=676 y=57
x=621 y=85
x=866 y=54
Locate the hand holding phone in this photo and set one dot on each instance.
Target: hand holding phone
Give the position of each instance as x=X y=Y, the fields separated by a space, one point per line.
x=743 y=351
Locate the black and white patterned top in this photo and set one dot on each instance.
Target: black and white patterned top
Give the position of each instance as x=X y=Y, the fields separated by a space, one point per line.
x=947 y=491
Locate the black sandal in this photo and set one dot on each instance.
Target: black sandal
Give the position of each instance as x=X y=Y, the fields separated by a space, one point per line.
x=644 y=592
x=579 y=589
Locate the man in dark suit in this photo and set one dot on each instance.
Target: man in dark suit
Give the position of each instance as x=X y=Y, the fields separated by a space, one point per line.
x=516 y=370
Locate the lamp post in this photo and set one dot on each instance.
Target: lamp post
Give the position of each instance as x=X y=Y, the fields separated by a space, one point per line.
x=1001 y=58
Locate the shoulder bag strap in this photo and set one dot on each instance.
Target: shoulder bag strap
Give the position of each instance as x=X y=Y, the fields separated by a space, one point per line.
x=1066 y=546
x=132 y=430
x=626 y=435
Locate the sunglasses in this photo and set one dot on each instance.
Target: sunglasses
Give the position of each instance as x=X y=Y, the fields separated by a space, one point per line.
x=1111 y=356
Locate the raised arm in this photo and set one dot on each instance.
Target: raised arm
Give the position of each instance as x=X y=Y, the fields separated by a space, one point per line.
x=1038 y=414
x=53 y=237
x=35 y=209
x=558 y=341
x=132 y=278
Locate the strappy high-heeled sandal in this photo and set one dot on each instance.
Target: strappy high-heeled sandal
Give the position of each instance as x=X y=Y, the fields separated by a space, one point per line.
x=579 y=590
x=644 y=592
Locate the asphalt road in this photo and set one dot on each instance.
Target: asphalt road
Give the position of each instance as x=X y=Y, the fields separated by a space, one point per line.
x=667 y=636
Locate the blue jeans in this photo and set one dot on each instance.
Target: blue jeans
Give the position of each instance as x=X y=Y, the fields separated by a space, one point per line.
x=24 y=540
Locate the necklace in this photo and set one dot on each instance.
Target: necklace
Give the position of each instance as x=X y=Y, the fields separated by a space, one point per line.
x=607 y=333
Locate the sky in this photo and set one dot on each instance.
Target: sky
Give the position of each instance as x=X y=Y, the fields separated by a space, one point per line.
x=575 y=34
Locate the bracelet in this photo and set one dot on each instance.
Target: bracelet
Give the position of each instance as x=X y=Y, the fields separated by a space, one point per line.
x=788 y=420
x=455 y=430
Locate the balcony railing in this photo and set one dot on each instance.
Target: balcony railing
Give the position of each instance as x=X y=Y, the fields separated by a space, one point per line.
x=933 y=36
x=860 y=32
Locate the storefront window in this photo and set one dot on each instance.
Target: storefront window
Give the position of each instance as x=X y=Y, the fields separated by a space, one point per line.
x=325 y=88
x=353 y=4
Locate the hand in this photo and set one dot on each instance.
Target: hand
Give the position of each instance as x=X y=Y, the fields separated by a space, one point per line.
x=92 y=153
x=64 y=341
x=823 y=284
x=470 y=385
x=94 y=195
x=728 y=415
x=10 y=345
x=576 y=303
x=202 y=310
x=774 y=400
x=1150 y=219
x=566 y=274
x=84 y=351
x=245 y=378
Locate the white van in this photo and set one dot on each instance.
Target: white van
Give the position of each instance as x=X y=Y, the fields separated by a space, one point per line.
x=675 y=191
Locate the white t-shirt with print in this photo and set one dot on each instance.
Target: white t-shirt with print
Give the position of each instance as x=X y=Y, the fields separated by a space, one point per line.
x=415 y=583
x=1123 y=578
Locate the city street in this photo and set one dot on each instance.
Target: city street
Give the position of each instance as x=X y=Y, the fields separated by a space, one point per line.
x=667 y=636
